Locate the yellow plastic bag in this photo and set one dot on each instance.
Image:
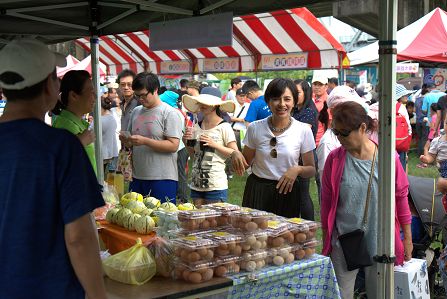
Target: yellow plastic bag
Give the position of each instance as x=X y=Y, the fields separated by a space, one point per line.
x=135 y=265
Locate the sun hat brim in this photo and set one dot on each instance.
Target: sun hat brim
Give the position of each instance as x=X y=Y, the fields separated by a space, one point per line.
x=192 y=103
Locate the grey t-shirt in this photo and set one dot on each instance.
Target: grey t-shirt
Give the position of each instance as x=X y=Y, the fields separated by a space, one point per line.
x=109 y=143
x=351 y=203
x=157 y=123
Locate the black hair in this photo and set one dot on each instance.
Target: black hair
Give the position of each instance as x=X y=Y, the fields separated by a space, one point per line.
x=410 y=104
x=162 y=90
x=307 y=90
x=125 y=73
x=434 y=107
x=323 y=116
x=250 y=86
x=351 y=115
x=183 y=83
x=27 y=93
x=277 y=87
x=333 y=80
x=72 y=81
x=146 y=80
x=350 y=84
x=235 y=81
x=106 y=103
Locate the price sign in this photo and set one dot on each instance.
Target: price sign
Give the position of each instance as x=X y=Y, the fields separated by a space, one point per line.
x=219 y=65
x=175 y=67
x=284 y=61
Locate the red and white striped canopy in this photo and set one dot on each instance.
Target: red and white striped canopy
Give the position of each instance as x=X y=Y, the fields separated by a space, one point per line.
x=285 y=39
x=423 y=40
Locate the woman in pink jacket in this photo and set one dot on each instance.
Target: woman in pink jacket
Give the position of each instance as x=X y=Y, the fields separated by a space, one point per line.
x=344 y=191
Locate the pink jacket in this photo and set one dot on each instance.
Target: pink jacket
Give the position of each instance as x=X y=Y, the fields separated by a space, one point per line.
x=333 y=171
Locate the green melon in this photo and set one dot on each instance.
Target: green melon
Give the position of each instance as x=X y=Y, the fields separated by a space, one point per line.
x=129 y=221
x=144 y=225
x=136 y=206
x=146 y=212
x=122 y=213
x=111 y=214
x=151 y=202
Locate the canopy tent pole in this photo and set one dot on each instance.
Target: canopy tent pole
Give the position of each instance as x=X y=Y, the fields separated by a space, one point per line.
x=94 y=46
x=387 y=128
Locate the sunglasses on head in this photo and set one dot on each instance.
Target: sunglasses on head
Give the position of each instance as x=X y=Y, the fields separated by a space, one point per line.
x=273 y=152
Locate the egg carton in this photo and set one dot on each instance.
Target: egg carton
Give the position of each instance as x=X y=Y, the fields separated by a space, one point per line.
x=226 y=209
x=200 y=219
x=250 y=220
x=303 y=230
x=227 y=243
x=193 y=249
x=227 y=265
x=254 y=260
x=197 y=272
x=279 y=233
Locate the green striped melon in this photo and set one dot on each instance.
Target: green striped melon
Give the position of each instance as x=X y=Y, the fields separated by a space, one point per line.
x=146 y=212
x=144 y=225
x=122 y=213
x=129 y=221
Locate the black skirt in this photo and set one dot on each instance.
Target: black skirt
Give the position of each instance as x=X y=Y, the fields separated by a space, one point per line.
x=262 y=194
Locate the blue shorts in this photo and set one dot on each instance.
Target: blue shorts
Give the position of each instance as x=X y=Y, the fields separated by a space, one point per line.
x=159 y=189
x=215 y=195
x=443 y=168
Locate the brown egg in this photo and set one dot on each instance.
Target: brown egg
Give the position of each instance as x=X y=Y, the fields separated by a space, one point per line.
x=207 y=275
x=231 y=245
x=195 y=277
x=299 y=254
x=277 y=242
x=243 y=265
x=213 y=222
x=202 y=271
x=289 y=237
x=309 y=251
x=205 y=224
x=251 y=226
x=263 y=224
x=241 y=224
x=290 y=258
x=220 y=271
x=236 y=268
x=269 y=241
x=202 y=251
x=184 y=255
x=237 y=250
x=223 y=246
x=245 y=219
x=260 y=264
x=278 y=260
x=185 y=275
x=311 y=234
x=222 y=220
x=257 y=245
x=222 y=252
x=193 y=257
x=209 y=255
x=300 y=237
x=246 y=247
x=178 y=251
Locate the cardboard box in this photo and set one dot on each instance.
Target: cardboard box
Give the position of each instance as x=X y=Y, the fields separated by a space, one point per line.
x=411 y=280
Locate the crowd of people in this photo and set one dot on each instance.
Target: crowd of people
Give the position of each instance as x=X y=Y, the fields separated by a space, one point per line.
x=293 y=133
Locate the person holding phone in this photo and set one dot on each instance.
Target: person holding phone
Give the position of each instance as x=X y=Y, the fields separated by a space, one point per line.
x=77 y=98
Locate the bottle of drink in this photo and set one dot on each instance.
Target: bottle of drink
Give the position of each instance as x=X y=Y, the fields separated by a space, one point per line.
x=110 y=178
x=118 y=182
x=193 y=140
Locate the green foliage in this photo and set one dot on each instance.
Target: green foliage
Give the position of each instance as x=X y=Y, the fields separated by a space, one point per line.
x=297 y=74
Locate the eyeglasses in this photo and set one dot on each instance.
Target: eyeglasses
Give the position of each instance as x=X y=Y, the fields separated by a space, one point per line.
x=124 y=84
x=143 y=95
x=343 y=133
x=273 y=152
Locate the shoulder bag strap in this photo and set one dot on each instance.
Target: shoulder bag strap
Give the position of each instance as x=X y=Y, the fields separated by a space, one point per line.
x=368 y=193
x=239 y=114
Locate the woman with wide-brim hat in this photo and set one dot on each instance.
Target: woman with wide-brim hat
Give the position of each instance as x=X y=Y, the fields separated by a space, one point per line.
x=273 y=148
x=215 y=143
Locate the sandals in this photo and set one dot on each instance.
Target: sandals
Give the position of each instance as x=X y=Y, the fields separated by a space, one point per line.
x=422 y=165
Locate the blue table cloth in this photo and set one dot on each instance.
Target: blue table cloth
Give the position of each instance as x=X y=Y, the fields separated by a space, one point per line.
x=309 y=278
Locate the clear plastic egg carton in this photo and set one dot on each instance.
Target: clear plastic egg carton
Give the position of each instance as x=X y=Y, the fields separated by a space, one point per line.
x=227 y=243
x=306 y=250
x=226 y=209
x=254 y=260
x=279 y=233
x=253 y=241
x=193 y=249
x=200 y=219
x=281 y=255
x=303 y=230
x=227 y=265
x=167 y=222
x=197 y=272
x=250 y=220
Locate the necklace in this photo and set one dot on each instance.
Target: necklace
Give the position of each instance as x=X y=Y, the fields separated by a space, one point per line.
x=276 y=129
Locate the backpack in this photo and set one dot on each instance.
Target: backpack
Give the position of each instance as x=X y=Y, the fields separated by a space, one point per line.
x=403 y=139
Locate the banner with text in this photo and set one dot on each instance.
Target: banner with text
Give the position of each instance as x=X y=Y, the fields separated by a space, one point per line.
x=221 y=65
x=284 y=61
x=412 y=68
x=436 y=76
x=175 y=67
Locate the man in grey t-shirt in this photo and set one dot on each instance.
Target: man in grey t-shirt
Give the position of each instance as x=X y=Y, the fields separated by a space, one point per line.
x=155 y=130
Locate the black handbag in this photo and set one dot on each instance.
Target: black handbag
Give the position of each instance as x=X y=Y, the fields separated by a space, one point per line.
x=353 y=243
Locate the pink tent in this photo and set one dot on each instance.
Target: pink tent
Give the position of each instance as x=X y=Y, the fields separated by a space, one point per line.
x=423 y=40
x=84 y=64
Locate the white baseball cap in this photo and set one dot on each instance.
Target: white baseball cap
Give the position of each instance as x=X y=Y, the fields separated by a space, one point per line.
x=31 y=60
x=318 y=78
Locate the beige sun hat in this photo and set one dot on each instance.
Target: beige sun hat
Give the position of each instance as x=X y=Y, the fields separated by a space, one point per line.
x=192 y=103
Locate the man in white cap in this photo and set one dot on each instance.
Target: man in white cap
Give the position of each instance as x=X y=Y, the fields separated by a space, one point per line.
x=319 y=91
x=48 y=242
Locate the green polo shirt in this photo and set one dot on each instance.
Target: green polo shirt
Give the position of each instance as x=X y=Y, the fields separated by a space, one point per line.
x=68 y=121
